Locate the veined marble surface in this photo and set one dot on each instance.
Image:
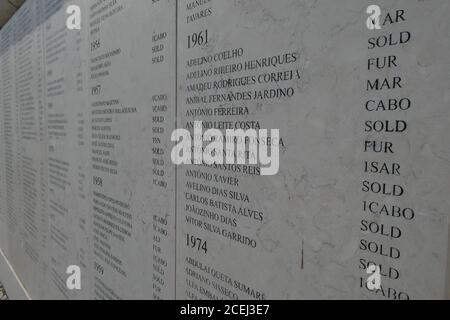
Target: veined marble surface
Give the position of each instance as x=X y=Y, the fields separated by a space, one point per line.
x=86 y=176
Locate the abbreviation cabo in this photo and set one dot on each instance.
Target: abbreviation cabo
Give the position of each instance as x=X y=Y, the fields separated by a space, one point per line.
x=385 y=292
x=403 y=104
x=388 y=210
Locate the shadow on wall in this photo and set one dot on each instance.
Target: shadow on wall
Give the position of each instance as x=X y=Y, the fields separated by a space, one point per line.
x=7 y=9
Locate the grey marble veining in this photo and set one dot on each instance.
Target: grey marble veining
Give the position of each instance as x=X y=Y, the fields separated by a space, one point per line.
x=86 y=175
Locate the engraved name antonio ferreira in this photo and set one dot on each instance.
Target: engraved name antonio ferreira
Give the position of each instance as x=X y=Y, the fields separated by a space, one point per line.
x=213 y=147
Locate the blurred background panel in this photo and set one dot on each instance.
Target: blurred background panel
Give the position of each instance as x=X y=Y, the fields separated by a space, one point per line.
x=7 y=9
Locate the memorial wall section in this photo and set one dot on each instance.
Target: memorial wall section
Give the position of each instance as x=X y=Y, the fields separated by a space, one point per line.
x=87 y=179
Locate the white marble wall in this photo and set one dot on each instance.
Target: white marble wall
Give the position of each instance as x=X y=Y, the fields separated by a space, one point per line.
x=86 y=176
